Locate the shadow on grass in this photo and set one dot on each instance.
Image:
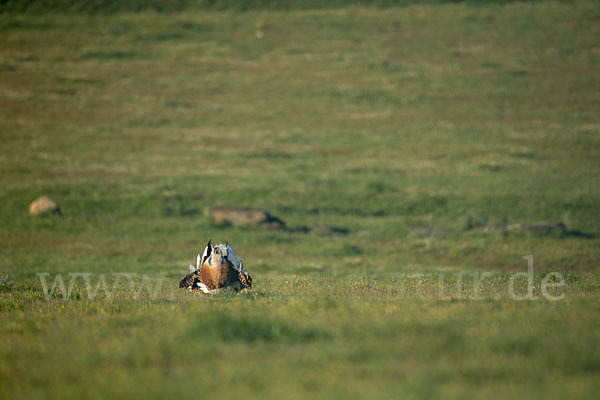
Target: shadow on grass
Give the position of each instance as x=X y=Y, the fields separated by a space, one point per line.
x=230 y=328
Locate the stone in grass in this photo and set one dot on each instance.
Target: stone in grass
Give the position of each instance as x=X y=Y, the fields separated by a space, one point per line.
x=248 y=217
x=322 y=229
x=43 y=205
x=535 y=227
x=539 y=227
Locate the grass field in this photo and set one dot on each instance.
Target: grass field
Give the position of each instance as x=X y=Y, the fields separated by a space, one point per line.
x=420 y=130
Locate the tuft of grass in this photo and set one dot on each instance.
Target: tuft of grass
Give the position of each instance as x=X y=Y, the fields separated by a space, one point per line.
x=250 y=329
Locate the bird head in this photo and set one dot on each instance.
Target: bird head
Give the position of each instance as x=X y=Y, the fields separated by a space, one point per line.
x=218 y=256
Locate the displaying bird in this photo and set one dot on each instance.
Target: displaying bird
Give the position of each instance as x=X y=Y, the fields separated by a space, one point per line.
x=217 y=269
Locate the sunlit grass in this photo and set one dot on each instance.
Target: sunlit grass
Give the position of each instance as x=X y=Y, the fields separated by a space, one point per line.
x=419 y=131
x=397 y=334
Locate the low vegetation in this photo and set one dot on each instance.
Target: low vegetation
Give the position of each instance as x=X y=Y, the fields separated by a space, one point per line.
x=433 y=141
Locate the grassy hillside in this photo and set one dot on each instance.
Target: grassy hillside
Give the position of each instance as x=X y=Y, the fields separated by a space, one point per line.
x=423 y=131
x=169 y=6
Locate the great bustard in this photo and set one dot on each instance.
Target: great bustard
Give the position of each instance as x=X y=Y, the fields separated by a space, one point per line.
x=218 y=268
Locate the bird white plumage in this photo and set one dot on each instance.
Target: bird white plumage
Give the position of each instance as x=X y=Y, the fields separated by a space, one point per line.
x=218 y=268
x=232 y=257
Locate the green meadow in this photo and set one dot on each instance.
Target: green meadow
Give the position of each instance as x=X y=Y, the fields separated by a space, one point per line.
x=427 y=135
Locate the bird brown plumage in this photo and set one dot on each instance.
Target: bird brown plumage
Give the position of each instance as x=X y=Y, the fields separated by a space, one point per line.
x=217 y=269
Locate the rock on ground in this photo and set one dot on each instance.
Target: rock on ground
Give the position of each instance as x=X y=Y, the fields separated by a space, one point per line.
x=43 y=205
x=537 y=227
x=249 y=217
x=322 y=229
x=542 y=227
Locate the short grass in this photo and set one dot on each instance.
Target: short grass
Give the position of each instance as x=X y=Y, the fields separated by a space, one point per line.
x=409 y=127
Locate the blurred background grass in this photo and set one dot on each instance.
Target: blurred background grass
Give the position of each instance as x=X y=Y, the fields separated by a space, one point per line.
x=394 y=124
x=112 y=6
x=416 y=128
